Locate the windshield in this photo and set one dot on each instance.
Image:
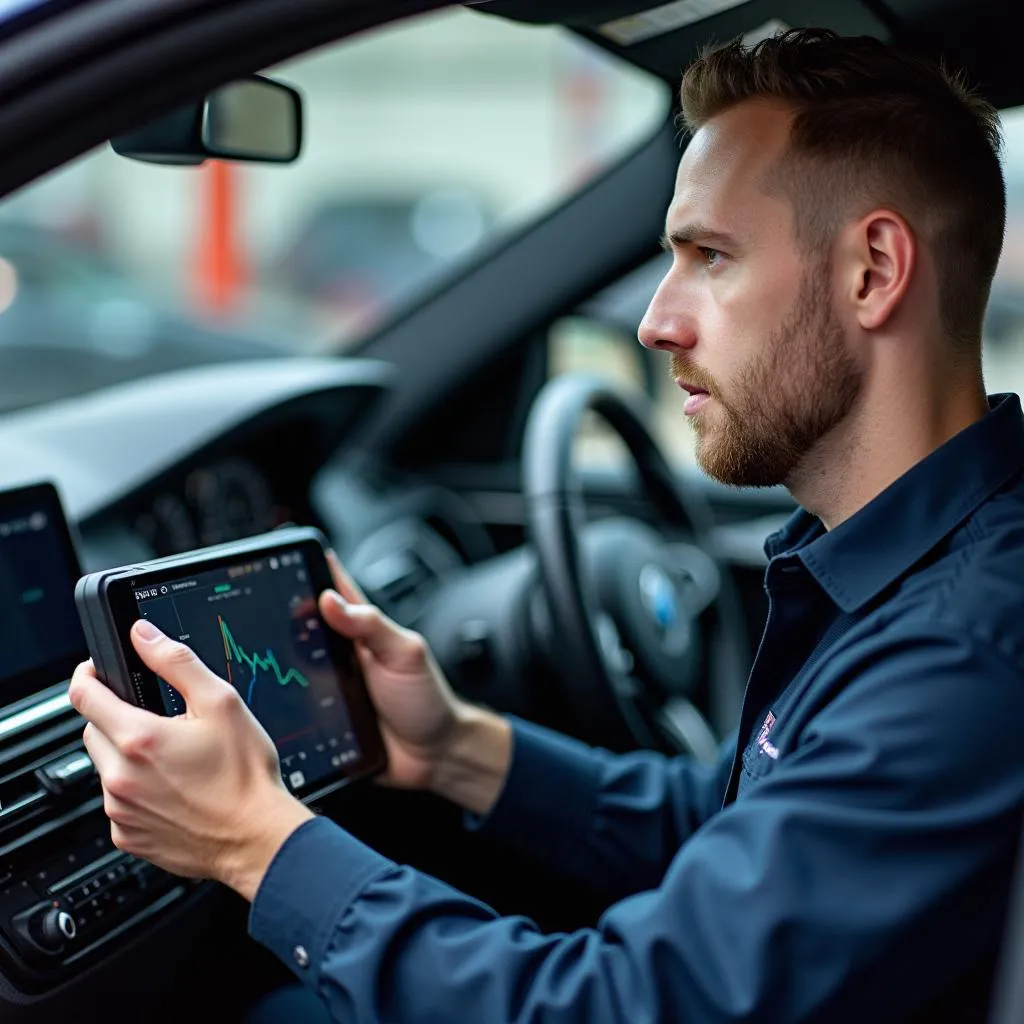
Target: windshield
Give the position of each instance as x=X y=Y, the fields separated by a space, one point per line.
x=424 y=143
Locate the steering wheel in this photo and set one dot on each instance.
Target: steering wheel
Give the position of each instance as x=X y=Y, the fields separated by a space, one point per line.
x=639 y=616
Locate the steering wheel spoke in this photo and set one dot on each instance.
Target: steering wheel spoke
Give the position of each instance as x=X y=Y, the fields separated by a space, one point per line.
x=697 y=576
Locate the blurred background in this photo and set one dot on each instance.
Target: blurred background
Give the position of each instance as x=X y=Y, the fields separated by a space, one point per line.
x=424 y=145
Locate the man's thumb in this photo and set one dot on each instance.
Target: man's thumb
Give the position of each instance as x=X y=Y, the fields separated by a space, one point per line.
x=174 y=663
x=365 y=623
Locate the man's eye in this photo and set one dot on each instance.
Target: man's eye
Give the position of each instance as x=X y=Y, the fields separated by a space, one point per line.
x=711 y=257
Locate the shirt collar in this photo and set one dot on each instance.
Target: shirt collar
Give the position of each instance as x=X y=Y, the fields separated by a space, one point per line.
x=864 y=554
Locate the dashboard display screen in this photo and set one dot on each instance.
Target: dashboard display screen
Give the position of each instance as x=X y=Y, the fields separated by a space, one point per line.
x=41 y=639
x=256 y=624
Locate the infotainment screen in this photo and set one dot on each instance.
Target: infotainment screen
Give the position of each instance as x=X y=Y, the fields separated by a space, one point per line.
x=249 y=610
x=41 y=639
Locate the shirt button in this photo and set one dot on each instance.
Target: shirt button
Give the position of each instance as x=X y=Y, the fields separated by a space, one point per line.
x=300 y=956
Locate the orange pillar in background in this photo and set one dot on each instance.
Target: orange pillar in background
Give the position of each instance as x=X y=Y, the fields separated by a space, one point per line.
x=219 y=272
x=584 y=96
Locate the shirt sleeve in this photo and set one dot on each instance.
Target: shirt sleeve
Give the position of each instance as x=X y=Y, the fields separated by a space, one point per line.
x=867 y=870
x=612 y=821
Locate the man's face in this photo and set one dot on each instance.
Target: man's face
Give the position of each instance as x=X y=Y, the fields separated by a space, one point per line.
x=749 y=318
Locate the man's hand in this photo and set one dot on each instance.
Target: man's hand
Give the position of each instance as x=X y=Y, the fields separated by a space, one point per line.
x=200 y=794
x=434 y=740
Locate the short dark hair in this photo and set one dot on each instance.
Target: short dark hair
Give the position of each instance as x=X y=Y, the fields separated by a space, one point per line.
x=874 y=126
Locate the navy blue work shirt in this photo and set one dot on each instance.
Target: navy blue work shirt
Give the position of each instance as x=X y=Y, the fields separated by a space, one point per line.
x=849 y=860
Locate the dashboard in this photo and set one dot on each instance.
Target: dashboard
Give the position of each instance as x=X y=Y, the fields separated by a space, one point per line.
x=172 y=446
x=218 y=501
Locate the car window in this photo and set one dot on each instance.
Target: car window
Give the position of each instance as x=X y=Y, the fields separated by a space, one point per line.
x=601 y=337
x=424 y=143
x=585 y=343
x=1003 y=348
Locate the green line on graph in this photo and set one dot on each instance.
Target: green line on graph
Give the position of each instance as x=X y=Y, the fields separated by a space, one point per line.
x=254 y=661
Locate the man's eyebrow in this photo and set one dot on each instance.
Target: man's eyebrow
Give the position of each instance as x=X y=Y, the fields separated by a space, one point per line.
x=694 y=234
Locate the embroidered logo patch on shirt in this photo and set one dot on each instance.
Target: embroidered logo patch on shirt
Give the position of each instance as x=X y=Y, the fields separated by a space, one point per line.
x=762 y=737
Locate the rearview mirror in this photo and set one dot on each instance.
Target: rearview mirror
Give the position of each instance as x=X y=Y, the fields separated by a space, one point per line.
x=253 y=119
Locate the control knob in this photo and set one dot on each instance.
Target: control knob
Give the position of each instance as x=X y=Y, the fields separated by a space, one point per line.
x=56 y=927
x=44 y=929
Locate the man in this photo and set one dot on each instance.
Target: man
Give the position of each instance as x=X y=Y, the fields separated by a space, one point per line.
x=836 y=223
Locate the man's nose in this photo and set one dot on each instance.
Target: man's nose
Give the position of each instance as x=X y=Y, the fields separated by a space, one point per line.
x=665 y=329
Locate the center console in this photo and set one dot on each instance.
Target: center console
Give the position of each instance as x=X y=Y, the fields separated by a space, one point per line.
x=65 y=891
x=67 y=895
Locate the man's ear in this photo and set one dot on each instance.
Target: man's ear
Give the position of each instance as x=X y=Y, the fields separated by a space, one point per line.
x=880 y=253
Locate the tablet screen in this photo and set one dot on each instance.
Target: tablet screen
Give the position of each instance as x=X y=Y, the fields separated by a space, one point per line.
x=256 y=623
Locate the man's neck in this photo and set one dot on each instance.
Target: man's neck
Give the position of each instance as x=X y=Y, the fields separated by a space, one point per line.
x=886 y=434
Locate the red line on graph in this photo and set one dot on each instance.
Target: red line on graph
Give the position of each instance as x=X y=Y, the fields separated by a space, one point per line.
x=295 y=735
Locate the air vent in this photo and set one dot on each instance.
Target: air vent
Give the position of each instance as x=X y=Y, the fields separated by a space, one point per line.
x=397 y=576
x=34 y=736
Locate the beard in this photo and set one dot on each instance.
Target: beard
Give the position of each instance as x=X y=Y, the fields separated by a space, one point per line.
x=800 y=385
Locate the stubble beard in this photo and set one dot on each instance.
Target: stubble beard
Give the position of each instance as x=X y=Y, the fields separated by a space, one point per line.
x=801 y=386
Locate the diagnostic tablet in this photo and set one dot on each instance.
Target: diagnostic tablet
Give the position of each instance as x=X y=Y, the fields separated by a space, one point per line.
x=249 y=611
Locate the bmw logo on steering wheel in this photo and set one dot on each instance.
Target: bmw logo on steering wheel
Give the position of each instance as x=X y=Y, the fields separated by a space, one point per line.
x=659 y=596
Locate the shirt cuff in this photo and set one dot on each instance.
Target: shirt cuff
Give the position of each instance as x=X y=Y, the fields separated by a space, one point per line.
x=549 y=801
x=319 y=870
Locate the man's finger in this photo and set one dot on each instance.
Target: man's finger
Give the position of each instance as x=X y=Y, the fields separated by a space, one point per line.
x=176 y=664
x=98 y=704
x=101 y=750
x=110 y=766
x=344 y=584
x=129 y=840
